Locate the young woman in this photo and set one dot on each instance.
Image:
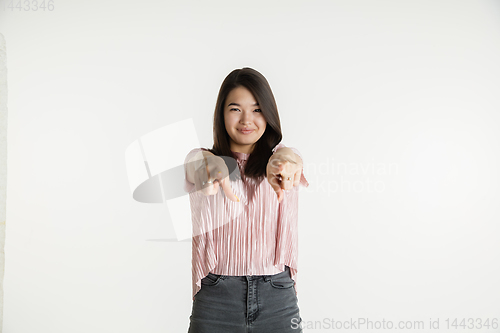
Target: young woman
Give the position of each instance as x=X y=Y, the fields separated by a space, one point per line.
x=244 y=200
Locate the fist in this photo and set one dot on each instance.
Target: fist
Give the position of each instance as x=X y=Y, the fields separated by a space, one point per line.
x=211 y=173
x=283 y=171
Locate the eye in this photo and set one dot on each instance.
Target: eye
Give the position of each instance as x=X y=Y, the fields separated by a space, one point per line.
x=256 y=110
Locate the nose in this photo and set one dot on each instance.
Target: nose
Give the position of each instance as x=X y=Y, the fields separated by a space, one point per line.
x=246 y=118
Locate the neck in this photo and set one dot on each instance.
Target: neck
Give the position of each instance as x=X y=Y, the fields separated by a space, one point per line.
x=245 y=149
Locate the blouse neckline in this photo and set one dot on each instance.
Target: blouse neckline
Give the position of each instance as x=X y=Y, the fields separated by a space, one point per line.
x=241 y=156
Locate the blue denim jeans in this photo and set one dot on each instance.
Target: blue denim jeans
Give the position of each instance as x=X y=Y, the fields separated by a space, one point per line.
x=246 y=304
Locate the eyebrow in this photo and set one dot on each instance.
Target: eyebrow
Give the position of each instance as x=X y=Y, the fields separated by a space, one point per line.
x=256 y=104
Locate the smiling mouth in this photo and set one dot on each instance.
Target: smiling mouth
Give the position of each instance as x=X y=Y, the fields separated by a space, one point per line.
x=246 y=131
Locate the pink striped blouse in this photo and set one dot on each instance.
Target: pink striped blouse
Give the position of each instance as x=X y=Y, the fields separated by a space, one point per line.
x=256 y=236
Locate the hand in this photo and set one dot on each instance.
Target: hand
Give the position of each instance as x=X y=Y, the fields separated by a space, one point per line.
x=283 y=171
x=210 y=173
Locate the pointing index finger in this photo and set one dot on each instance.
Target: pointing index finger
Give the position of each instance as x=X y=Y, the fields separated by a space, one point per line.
x=206 y=167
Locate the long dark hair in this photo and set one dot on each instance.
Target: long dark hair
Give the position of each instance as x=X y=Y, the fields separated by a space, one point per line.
x=257 y=84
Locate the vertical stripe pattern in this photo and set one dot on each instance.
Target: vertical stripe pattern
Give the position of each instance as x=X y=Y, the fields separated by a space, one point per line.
x=256 y=236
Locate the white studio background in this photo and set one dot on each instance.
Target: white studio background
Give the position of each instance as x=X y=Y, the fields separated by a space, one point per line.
x=393 y=104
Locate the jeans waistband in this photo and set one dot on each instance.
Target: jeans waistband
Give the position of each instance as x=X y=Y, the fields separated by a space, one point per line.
x=253 y=277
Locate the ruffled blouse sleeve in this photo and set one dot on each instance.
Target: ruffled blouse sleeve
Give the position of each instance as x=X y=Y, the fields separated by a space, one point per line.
x=208 y=214
x=287 y=226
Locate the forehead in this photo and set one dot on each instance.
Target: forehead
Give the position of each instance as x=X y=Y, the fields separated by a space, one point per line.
x=241 y=95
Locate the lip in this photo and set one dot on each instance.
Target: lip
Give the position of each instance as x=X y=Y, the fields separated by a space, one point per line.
x=245 y=130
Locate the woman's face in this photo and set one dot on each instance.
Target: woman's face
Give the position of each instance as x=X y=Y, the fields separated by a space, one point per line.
x=244 y=121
